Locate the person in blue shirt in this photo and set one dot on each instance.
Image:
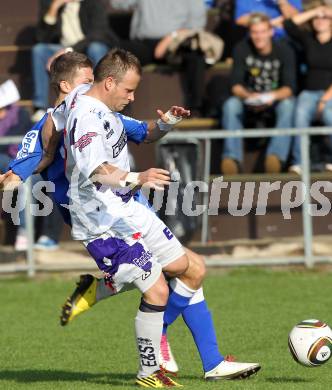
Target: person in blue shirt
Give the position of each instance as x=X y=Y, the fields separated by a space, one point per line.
x=67 y=71
x=276 y=10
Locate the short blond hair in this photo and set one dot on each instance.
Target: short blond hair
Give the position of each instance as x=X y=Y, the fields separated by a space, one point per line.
x=258 y=17
x=115 y=64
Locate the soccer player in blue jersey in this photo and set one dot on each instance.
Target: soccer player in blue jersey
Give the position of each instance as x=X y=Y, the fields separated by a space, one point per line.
x=194 y=311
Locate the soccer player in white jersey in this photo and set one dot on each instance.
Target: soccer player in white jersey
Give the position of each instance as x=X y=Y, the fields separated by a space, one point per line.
x=128 y=241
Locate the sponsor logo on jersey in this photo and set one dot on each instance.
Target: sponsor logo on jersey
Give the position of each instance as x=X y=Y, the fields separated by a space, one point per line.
x=137 y=236
x=85 y=140
x=107 y=128
x=143 y=259
x=100 y=114
x=122 y=142
x=146 y=275
x=169 y=235
x=28 y=144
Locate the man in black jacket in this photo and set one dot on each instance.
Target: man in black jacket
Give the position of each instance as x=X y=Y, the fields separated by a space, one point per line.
x=263 y=82
x=66 y=25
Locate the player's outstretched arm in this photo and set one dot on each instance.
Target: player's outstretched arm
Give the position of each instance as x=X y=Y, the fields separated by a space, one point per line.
x=107 y=174
x=165 y=123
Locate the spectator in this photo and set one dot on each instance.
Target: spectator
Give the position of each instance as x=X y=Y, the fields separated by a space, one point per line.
x=158 y=22
x=262 y=82
x=315 y=101
x=276 y=10
x=67 y=25
x=14 y=120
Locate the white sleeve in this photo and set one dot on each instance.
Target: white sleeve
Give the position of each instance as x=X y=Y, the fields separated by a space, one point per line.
x=61 y=111
x=88 y=144
x=58 y=116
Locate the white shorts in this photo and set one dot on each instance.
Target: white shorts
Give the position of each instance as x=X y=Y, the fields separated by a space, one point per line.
x=135 y=250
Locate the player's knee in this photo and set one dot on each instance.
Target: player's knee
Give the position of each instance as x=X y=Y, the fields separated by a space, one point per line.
x=183 y=264
x=195 y=273
x=157 y=294
x=197 y=268
x=200 y=269
x=178 y=267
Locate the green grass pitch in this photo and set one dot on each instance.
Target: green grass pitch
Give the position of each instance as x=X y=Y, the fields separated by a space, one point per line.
x=253 y=309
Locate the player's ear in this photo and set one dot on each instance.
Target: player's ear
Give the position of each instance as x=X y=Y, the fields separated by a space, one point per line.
x=109 y=82
x=65 y=86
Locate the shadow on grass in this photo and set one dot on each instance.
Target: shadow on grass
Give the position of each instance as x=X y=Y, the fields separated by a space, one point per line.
x=35 y=376
x=280 y=379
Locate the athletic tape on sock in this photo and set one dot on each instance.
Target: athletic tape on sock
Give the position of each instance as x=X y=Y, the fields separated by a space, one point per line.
x=197 y=297
x=181 y=288
x=148 y=308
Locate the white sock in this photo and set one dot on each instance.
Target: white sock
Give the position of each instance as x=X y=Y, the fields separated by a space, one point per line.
x=148 y=329
x=197 y=297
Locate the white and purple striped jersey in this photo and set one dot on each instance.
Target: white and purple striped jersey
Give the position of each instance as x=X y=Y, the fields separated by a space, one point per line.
x=93 y=135
x=30 y=154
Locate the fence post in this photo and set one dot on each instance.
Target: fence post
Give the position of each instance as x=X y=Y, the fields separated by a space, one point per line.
x=306 y=216
x=206 y=178
x=30 y=229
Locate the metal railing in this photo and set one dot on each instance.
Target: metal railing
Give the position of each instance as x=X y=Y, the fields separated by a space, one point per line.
x=30 y=266
x=207 y=136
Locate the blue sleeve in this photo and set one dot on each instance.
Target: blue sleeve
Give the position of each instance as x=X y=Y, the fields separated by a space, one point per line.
x=242 y=8
x=30 y=152
x=297 y=4
x=136 y=130
x=140 y=198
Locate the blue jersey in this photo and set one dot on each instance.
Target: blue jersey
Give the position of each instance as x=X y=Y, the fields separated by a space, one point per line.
x=30 y=154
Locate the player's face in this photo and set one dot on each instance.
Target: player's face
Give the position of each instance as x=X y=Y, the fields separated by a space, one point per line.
x=82 y=76
x=261 y=35
x=122 y=92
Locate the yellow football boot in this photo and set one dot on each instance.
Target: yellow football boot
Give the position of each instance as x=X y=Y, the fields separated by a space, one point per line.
x=157 y=380
x=82 y=299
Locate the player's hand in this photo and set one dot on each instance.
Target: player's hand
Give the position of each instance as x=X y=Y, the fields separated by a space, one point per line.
x=9 y=181
x=177 y=111
x=155 y=178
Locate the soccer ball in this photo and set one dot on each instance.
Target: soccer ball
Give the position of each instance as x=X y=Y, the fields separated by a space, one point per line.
x=310 y=343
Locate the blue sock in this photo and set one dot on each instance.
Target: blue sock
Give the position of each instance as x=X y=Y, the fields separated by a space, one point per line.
x=179 y=298
x=199 y=320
